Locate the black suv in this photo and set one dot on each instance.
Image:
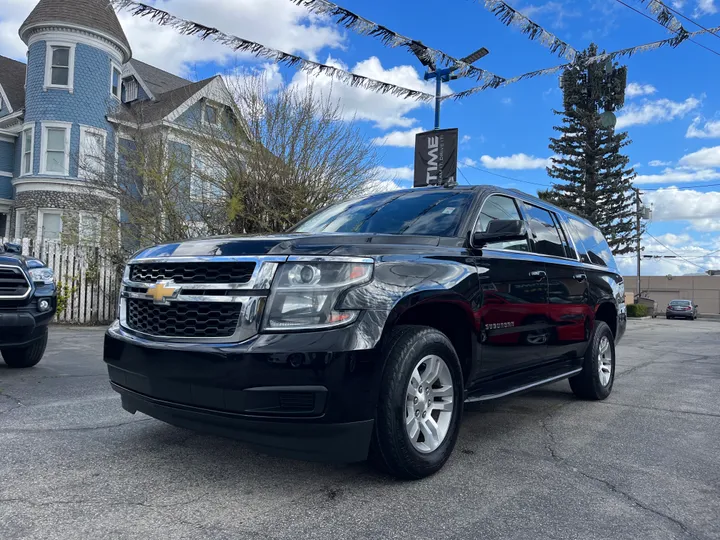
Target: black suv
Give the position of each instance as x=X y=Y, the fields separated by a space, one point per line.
x=28 y=301
x=363 y=330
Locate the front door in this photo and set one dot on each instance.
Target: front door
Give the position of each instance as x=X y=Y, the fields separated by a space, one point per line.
x=512 y=314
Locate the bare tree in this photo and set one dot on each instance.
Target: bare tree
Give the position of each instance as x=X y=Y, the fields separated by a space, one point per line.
x=260 y=166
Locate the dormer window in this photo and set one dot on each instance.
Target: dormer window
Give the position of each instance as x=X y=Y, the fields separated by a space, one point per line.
x=59 y=66
x=131 y=90
x=115 y=81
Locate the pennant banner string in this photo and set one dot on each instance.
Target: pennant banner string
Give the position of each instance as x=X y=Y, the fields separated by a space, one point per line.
x=163 y=18
x=360 y=25
x=665 y=17
x=630 y=51
x=509 y=16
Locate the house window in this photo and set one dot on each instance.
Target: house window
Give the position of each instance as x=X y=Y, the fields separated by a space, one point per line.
x=27 y=151
x=59 y=66
x=89 y=228
x=206 y=180
x=131 y=90
x=92 y=153
x=211 y=114
x=55 y=156
x=3 y=225
x=115 y=81
x=49 y=225
x=20 y=223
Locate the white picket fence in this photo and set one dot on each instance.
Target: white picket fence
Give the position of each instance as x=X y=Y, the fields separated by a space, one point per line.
x=88 y=281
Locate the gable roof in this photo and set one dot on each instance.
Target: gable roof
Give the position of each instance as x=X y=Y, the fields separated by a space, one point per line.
x=93 y=14
x=12 y=79
x=156 y=80
x=152 y=111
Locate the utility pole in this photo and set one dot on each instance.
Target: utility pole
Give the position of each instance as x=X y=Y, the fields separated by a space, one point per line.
x=637 y=238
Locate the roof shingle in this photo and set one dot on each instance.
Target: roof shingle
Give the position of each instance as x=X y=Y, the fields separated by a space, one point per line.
x=12 y=79
x=157 y=80
x=95 y=14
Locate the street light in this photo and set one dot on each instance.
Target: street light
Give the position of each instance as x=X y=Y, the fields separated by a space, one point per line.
x=444 y=74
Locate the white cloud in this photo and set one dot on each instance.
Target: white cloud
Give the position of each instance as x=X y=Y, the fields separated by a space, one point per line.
x=380 y=186
x=705 y=157
x=654 y=112
x=401 y=139
x=515 y=162
x=506 y=101
x=385 y=110
x=275 y=23
x=673 y=204
x=671 y=239
x=711 y=129
x=467 y=162
x=678 y=175
x=635 y=89
x=658 y=163
x=705 y=7
x=465 y=139
x=394 y=173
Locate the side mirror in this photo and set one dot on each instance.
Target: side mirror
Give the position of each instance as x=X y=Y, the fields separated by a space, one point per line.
x=501 y=230
x=13 y=248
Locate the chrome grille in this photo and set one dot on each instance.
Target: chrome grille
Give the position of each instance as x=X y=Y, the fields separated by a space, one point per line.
x=193 y=272
x=183 y=319
x=13 y=283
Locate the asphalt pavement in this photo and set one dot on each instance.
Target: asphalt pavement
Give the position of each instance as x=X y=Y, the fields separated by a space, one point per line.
x=644 y=464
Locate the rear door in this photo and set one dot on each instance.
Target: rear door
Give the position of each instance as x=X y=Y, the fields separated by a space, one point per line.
x=512 y=315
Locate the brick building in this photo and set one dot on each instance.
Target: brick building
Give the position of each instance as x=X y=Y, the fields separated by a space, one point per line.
x=81 y=91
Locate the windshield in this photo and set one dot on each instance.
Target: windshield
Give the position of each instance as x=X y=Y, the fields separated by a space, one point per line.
x=428 y=212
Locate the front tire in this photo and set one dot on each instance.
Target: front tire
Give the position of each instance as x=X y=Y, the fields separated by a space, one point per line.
x=595 y=381
x=420 y=403
x=25 y=357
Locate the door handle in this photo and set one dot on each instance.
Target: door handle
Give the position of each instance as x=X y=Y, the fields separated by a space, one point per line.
x=538 y=274
x=580 y=277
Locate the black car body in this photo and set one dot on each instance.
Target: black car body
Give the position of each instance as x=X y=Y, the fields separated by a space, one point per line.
x=28 y=300
x=681 y=309
x=512 y=318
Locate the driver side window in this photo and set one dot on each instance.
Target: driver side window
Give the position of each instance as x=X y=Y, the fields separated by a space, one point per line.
x=500 y=207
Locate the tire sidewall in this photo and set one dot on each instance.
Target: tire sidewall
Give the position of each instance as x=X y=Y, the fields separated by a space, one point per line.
x=601 y=330
x=427 y=342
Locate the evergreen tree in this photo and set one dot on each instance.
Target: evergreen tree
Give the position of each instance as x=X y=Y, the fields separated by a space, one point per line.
x=595 y=181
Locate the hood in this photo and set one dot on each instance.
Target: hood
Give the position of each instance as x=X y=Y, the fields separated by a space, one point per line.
x=290 y=244
x=12 y=259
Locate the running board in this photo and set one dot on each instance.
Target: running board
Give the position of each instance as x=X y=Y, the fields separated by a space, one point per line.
x=488 y=397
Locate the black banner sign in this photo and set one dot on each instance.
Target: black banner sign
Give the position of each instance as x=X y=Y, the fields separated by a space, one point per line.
x=436 y=157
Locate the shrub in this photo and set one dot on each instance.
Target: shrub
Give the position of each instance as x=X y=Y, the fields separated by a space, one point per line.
x=637 y=310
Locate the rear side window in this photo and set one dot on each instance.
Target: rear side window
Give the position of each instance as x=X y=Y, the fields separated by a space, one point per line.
x=596 y=249
x=546 y=235
x=500 y=207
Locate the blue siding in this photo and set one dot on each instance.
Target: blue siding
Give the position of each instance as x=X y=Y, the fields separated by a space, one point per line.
x=192 y=116
x=6 y=189
x=142 y=95
x=7 y=156
x=88 y=104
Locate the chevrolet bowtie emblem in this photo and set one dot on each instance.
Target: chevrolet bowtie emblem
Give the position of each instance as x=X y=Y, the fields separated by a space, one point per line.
x=161 y=291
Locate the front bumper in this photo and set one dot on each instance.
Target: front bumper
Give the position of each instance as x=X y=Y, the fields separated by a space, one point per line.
x=303 y=395
x=22 y=325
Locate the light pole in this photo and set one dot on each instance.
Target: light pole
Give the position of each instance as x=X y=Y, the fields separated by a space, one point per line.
x=445 y=75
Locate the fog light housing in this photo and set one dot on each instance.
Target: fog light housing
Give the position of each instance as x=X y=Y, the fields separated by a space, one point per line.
x=44 y=305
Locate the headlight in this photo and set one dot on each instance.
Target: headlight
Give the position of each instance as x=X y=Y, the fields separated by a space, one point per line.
x=304 y=294
x=42 y=275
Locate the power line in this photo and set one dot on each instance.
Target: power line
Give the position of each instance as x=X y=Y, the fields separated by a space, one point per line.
x=506 y=177
x=465 y=177
x=679 y=189
x=675 y=253
x=658 y=22
x=689 y=19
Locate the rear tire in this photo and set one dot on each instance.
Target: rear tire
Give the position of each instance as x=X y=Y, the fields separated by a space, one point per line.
x=412 y=356
x=595 y=381
x=25 y=357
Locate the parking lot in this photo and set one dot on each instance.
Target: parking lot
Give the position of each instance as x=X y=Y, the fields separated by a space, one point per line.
x=643 y=464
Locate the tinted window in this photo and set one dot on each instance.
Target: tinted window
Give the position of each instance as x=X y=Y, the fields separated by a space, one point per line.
x=597 y=251
x=499 y=207
x=680 y=303
x=428 y=212
x=546 y=236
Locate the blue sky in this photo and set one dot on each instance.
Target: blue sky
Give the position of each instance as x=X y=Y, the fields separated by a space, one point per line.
x=672 y=110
